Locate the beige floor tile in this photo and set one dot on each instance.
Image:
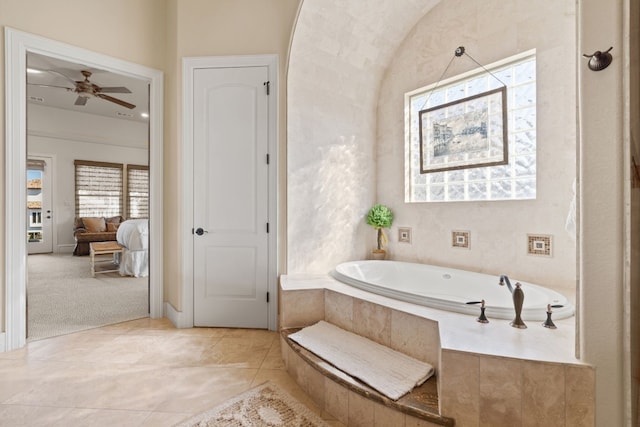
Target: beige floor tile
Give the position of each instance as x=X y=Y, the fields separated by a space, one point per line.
x=164 y=419
x=139 y=373
x=100 y=418
x=273 y=359
x=238 y=352
x=20 y=415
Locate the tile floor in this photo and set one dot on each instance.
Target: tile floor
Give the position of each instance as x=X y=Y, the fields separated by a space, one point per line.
x=139 y=373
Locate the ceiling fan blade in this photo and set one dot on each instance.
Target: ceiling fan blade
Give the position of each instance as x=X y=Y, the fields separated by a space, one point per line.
x=62 y=75
x=116 y=100
x=58 y=87
x=81 y=100
x=113 y=89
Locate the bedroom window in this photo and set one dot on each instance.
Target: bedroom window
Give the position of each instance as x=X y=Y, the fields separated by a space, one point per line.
x=137 y=191
x=515 y=180
x=98 y=188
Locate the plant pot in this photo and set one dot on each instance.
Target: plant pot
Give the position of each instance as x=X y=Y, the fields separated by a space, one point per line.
x=379 y=254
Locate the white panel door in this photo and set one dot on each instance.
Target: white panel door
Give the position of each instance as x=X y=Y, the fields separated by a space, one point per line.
x=39 y=211
x=230 y=186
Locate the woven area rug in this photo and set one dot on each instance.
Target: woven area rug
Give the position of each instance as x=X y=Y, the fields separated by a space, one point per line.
x=266 y=405
x=62 y=297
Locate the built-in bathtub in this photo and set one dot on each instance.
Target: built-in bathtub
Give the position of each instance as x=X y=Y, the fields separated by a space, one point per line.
x=451 y=289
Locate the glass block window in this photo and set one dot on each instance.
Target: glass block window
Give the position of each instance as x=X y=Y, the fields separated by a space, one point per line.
x=515 y=180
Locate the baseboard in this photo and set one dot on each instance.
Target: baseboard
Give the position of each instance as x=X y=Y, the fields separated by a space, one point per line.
x=176 y=317
x=66 y=249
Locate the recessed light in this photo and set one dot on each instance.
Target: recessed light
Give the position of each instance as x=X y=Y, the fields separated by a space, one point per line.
x=145 y=115
x=33 y=71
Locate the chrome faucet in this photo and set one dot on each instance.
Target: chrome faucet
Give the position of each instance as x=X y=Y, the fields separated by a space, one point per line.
x=518 y=299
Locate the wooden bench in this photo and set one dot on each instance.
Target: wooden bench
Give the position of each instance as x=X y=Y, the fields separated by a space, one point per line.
x=104 y=248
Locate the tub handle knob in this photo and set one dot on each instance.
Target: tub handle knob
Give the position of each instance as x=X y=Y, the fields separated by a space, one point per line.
x=549 y=323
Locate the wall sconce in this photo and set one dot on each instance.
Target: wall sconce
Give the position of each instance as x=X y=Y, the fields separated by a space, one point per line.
x=599 y=60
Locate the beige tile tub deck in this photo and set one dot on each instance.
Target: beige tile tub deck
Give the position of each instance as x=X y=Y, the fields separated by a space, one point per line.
x=488 y=374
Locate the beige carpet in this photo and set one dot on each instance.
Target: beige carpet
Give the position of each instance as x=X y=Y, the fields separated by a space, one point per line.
x=264 y=406
x=62 y=297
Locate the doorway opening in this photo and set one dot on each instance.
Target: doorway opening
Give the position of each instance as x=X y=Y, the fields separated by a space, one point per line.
x=83 y=131
x=18 y=46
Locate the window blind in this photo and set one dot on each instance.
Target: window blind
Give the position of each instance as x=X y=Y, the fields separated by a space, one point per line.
x=138 y=191
x=98 y=188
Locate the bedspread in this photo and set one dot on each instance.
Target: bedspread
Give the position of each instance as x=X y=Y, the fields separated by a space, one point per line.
x=133 y=234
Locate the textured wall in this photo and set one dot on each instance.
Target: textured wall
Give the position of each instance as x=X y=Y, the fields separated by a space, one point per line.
x=490 y=31
x=339 y=53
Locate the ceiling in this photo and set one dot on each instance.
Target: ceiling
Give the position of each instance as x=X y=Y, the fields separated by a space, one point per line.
x=52 y=71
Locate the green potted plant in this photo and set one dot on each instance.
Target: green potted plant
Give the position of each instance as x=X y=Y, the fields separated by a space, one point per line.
x=380 y=217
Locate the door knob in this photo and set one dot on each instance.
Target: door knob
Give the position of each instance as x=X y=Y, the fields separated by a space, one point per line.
x=200 y=231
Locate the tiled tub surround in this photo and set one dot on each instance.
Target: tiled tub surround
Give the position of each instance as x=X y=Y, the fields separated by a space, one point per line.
x=320 y=379
x=487 y=374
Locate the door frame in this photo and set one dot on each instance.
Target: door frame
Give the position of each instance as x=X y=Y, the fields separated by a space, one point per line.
x=17 y=44
x=184 y=318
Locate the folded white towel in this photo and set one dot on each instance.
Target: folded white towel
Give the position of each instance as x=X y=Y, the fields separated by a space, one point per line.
x=388 y=371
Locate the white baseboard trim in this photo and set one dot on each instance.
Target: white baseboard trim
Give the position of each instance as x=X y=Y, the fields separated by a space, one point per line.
x=176 y=317
x=66 y=249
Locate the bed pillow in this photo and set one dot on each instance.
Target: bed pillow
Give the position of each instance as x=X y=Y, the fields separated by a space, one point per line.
x=94 y=225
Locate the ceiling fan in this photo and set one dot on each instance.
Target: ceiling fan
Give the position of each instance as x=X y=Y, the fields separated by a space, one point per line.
x=86 y=89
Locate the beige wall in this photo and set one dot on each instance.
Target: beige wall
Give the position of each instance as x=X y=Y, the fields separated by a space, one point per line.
x=602 y=269
x=124 y=29
x=158 y=34
x=216 y=28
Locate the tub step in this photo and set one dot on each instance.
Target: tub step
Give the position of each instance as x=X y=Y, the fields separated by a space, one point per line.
x=421 y=402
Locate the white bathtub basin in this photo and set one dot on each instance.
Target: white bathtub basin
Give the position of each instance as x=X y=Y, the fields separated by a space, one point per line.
x=451 y=289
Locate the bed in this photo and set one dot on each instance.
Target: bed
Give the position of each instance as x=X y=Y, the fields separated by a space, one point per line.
x=133 y=235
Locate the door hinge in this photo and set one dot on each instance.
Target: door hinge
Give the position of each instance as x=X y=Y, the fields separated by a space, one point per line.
x=267 y=85
x=268 y=158
x=267 y=296
x=267 y=227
